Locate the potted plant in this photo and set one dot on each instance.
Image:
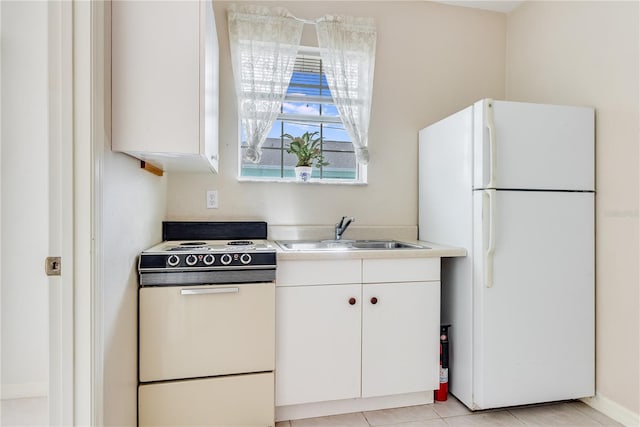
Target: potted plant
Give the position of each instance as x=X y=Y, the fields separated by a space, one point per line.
x=307 y=148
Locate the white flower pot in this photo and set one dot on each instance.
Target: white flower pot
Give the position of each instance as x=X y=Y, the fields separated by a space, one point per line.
x=303 y=173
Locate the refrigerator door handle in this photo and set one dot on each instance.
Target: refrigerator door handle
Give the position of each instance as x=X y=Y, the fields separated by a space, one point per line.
x=492 y=242
x=489 y=124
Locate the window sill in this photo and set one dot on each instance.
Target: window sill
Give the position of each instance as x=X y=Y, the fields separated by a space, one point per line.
x=312 y=181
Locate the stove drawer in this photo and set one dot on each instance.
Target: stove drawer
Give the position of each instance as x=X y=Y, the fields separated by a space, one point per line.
x=238 y=400
x=201 y=331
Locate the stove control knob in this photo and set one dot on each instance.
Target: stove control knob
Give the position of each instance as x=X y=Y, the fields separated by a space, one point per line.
x=225 y=259
x=191 y=259
x=245 y=258
x=208 y=259
x=173 y=260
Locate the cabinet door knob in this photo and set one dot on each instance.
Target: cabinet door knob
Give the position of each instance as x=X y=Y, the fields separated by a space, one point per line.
x=352 y=301
x=374 y=300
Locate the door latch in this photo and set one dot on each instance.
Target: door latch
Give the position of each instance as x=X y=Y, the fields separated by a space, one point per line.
x=53 y=266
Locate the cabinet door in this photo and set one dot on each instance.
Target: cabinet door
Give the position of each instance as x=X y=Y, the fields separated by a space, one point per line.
x=155 y=73
x=400 y=338
x=317 y=343
x=165 y=83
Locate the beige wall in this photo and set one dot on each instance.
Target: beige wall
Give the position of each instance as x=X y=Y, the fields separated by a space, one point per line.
x=587 y=53
x=133 y=207
x=431 y=60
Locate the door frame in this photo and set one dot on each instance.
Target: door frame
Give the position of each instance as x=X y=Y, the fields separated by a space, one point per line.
x=61 y=292
x=76 y=130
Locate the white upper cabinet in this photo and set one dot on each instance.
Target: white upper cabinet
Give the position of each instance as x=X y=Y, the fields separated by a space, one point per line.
x=165 y=82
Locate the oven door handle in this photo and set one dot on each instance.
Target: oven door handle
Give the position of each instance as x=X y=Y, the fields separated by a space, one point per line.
x=204 y=291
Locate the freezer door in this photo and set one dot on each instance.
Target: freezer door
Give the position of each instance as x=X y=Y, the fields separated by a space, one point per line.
x=534 y=319
x=533 y=146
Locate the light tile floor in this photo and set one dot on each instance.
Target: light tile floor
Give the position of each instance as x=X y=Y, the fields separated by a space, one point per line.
x=33 y=412
x=454 y=413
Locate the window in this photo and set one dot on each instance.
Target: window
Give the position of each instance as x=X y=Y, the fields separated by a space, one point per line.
x=308 y=106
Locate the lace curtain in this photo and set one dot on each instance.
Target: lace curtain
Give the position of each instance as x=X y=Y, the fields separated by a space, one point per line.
x=264 y=45
x=348 y=48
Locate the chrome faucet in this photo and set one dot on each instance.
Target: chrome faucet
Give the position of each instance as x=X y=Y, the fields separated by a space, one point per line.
x=341 y=227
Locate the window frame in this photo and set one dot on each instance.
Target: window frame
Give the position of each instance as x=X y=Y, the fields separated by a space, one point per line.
x=360 y=169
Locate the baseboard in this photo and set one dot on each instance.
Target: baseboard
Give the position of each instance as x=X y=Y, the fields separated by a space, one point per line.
x=335 y=407
x=613 y=410
x=23 y=391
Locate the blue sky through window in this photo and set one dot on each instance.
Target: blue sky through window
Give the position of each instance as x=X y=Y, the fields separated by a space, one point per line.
x=309 y=84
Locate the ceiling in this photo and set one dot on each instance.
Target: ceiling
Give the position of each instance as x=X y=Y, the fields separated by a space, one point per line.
x=504 y=6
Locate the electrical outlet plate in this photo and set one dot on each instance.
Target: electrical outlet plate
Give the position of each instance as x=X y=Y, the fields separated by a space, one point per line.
x=212 y=199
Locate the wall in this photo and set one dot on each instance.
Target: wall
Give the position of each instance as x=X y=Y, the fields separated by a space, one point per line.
x=587 y=53
x=25 y=200
x=133 y=208
x=431 y=60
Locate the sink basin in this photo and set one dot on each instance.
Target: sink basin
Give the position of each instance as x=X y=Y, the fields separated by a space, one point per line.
x=385 y=244
x=345 y=245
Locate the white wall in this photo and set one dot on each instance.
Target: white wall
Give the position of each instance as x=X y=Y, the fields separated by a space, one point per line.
x=25 y=199
x=431 y=60
x=588 y=53
x=133 y=208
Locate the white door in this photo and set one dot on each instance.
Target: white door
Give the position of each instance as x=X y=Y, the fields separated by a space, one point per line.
x=317 y=343
x=36 y=169
x=535 y=146
x=25 y=200
x=534 y=324
x=400 y=344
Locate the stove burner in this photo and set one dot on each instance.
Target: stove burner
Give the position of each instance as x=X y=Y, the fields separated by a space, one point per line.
x=240 y=243
x=192 y=244
x=185 y=246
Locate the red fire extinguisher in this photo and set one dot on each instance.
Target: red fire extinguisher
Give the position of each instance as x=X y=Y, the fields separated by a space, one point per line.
x=440 y=395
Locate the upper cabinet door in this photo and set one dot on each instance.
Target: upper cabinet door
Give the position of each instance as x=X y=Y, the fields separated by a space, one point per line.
x=165 y=83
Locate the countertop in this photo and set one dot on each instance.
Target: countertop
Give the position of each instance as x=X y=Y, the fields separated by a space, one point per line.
x=435 y=250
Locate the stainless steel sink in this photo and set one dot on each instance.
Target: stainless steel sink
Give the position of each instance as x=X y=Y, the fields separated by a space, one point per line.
x=345 y=245
x=385 y=244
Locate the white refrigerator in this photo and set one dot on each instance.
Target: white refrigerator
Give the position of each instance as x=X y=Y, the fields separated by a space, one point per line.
x=513 y=183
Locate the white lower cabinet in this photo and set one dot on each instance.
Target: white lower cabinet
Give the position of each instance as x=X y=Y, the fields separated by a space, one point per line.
x=356 y=340
x=400 y=337
x=318 y=343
